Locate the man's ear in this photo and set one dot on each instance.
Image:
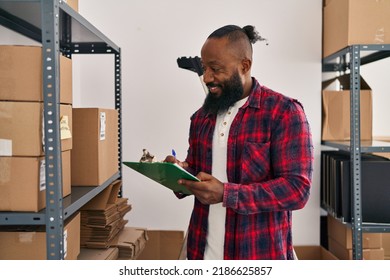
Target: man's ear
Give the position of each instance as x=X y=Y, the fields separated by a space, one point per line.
x=246 y=65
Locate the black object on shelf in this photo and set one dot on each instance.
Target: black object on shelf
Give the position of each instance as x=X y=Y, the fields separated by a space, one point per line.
x=375 y=172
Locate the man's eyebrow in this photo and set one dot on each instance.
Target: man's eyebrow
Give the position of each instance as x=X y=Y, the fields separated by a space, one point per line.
x=213 y=62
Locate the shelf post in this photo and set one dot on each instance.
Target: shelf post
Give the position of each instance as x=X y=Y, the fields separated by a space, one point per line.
x=52 y=143
x=118 y=106
x=354 y=52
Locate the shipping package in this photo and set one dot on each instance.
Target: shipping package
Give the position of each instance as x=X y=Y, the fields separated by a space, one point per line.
x=342 y=234
x=355 y=22
x=95 y=146
x=163 y=245
x=21 y=75
x=19 y=243
x=131 y=242
x=74 y=4
x=108 y=196
x=336 y=110
x=383 y=139
x=386 y=244
x=21 y=128
x=313 y=253
x=23 y=183
x=346 y=254
x=98 y=254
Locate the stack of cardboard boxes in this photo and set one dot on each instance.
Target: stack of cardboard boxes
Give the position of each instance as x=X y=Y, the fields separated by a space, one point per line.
x=103 y=217
x=89 y=145
x=340 y=242
x=22 y=161
x=345 y=23
x=103 y=232
x=22 y=151
x=22 y=184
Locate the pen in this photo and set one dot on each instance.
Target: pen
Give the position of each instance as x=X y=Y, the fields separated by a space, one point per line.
x=173 y=153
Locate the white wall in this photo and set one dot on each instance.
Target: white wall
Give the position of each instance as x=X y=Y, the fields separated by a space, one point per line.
x=159 y=97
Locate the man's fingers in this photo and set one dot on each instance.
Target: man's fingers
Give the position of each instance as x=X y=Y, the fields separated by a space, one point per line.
x=170 y=159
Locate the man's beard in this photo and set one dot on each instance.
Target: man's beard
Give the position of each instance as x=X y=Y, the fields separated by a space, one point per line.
x=232 y=91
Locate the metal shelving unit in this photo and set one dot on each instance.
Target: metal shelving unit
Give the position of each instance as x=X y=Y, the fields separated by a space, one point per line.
x=59 y=29
x=349 y=60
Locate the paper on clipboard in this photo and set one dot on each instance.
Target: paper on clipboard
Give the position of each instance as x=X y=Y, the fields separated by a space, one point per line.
x=164 y=173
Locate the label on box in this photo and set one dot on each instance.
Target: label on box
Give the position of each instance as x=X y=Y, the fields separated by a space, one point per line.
x=65 y=129
x=5 y=147
x=26 y=237
x=102 y=131
x=42 y=176
x=65 y=242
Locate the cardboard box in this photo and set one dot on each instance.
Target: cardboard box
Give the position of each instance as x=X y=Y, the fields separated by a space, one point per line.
x=22 y=182
x=98 y=254
x=346 y=254
x=351 y=22
x=22 y=244
x=103 y=217
x=108 y=196
x=384 y=139
x=336 y=110
x=21 y=75
x=342 y=234
x=386 y=244
x=74 y=4
x=130 y=242
x=99 y=228
x=163 y=245
x=95 y=146
x=313 y=253
x=21 y=128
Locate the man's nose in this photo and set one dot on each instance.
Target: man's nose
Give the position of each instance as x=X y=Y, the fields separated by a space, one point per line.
x=208 y=77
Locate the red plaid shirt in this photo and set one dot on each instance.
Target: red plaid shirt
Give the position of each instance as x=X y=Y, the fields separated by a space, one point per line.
x=270 y=164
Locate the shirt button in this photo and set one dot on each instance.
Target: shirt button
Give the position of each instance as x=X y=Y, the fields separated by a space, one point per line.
x=222 y=134
x=225 y=123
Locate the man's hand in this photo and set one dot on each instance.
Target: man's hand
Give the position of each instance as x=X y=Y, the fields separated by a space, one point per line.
x=173 y=159
x=208 y=191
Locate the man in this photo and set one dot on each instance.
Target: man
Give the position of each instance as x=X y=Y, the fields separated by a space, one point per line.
x=251 y=148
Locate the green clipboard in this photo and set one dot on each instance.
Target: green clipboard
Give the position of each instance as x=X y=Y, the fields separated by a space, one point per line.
x=164 y=173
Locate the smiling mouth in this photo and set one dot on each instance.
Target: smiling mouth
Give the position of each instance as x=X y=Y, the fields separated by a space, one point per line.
x=213 y=88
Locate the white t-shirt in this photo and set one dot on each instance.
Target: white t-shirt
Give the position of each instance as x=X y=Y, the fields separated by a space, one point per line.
x=217 y=214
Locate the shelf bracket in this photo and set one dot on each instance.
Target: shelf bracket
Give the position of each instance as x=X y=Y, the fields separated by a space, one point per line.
x=118 y=107
x=51 y=93
x=355 y=152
